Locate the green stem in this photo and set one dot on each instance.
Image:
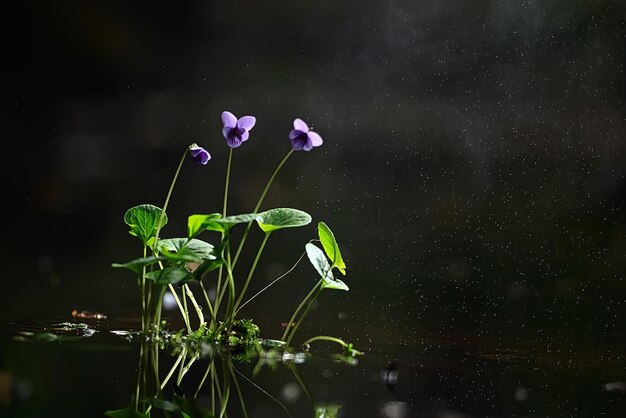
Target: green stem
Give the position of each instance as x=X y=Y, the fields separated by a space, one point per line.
x=186 y=368
x=142 y=290
x=239 y=393
x=224 y=206
x=254 y=264
x=188 y=320
x=259 y=203
x=301 y=382
x=206 y=373
x=208 y=301
x=326 y=338
x=271 y=284
x=304 y=314
x=180 y=307
x=231 y=283
x=304 y=301
x=194 y=303
x=173 y=369
x=159 y=308
x=167 y=201
x=263 y=391
x=225 y=392
x=220 y=272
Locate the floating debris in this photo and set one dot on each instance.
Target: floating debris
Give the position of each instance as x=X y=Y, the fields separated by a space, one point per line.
x=87 y=315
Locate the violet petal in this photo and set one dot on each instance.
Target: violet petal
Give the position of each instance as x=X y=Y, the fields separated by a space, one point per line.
x=294 y=133
x=246 y=122
x=308 y=145
x=316 y=140
x=228 y=119
x=233 y=141
x=300 y=125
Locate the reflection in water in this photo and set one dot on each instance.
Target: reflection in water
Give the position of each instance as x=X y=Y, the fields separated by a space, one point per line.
x=159 y=391
x=434 y=379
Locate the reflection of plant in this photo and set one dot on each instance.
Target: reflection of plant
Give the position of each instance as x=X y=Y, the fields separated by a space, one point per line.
x=174 y=263
x=153 y=398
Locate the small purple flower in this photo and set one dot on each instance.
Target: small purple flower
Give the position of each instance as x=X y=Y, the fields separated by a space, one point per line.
x=236 y=131
x=199 y=154
x=302 y=138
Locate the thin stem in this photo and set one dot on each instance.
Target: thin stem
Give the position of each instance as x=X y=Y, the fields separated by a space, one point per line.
x=208 y=301
x=304 y=301
x=142 y=290
x=224 y=208
x=204 y=376
x=239 y=393
x=167 y=201
x=259 y=203
x=271 y=284
x=263 y=391
x=185 y=369
x=221 y=291
x=139 y=373
x=171 y=372
x=225 y=393
x=254 y=264
x=159 y=308
x=301 y=382
x=304 y=314
x=180 y=307
x=194 y=303
x=230 y=158
x=326 y=338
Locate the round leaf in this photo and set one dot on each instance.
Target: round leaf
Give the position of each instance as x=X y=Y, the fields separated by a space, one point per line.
x=186 y=249
x=214 y=222
x=137 y=264
x=144 y=221
x=169 y=275
x=279 y=218
x=195 y=223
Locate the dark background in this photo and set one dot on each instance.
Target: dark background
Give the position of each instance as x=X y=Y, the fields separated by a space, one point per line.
x=473 y=165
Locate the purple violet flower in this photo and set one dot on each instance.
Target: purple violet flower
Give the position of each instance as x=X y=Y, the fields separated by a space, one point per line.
x=199 y=154
x=302 y=138
x=236 y=131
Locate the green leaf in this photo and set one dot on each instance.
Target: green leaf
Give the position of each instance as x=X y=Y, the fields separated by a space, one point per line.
x=183 y=249
x=331 y=247
x=279 y=218
x=128 y=412
x=214 y=222
x=321 y=264
x=143 y=221
x=164 y=405
x=327 y=411
x=169 y=275
x=196 y=223
x=137 y=264
x=189 y=408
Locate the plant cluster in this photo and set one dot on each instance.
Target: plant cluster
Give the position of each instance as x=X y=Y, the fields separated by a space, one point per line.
x=174 y=263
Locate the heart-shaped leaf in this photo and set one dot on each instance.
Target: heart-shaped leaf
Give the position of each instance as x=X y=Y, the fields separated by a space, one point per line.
x=128 y=412
x=214 y=222
x=331 y=247
x=144 y=221
x=321 y=264
x=169 y=275
x=279 y=218
x=183 y=249
x=195 y=223
x=137 y=264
